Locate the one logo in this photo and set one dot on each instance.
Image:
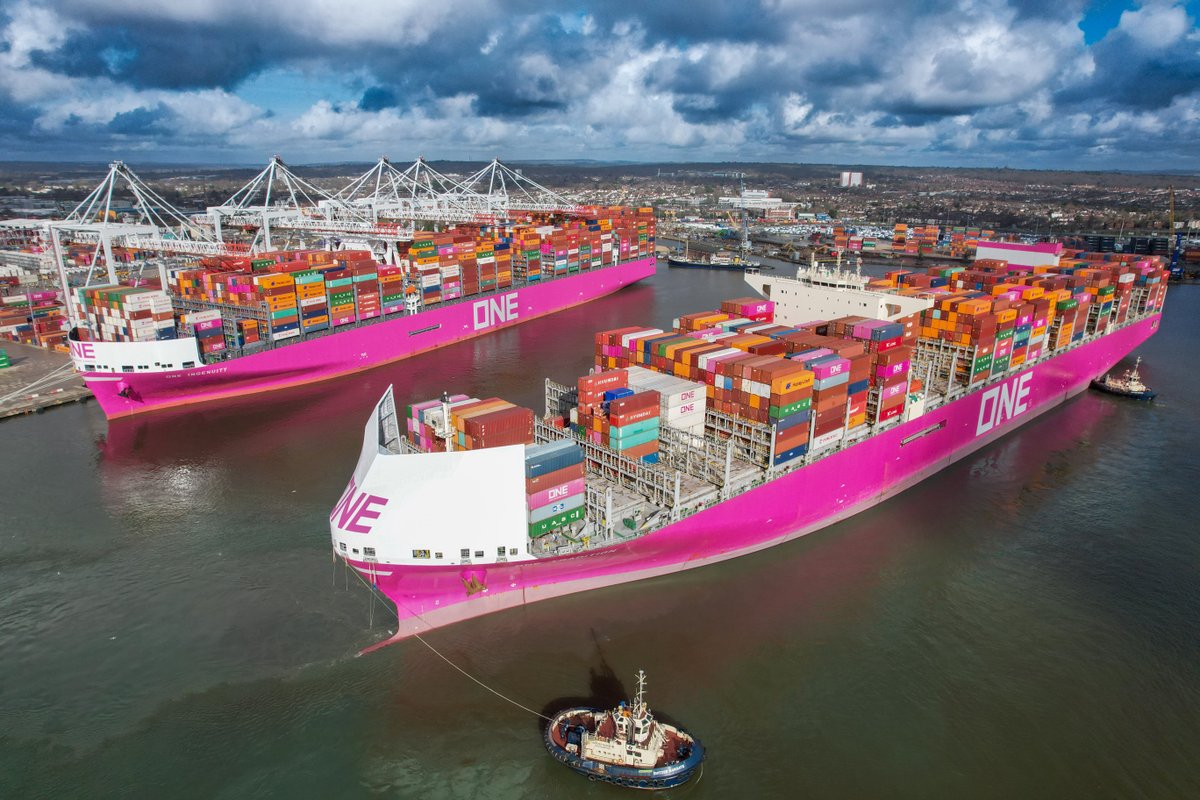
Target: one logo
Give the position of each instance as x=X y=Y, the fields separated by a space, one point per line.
x=83 y=350
x=495 y=310
x=1003 y=402
x=355 y=508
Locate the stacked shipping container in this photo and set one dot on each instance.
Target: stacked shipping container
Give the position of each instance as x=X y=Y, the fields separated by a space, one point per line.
x=125 y=314
x=555 y=486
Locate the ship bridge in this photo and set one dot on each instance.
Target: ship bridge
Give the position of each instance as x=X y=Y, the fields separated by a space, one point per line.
x=822 y=293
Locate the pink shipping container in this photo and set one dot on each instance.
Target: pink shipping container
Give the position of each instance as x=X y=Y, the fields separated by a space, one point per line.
x=556 y=493
x=831 y=368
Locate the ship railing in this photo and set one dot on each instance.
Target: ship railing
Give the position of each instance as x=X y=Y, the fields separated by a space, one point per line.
x=706 y=457
x=658 y=486
x=560 y=399
x=752 y=441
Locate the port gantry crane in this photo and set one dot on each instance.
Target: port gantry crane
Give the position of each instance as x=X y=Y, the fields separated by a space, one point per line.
x=157 y=226
x=384 y=205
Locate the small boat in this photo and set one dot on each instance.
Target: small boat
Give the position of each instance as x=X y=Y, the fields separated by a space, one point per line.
x=716 y=261
x=625 y=746
x=1128 y=385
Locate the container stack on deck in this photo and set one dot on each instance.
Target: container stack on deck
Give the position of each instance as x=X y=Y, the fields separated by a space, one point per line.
x=1009 y=314
x=612 y=413
x=555 y=486
x=476 y=424
x=305 y=291
x=124 y=314
x=817 y=381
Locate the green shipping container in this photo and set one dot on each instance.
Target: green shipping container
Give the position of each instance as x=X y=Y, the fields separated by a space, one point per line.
x=547 y=525
x=626 y=442
x=1000 y=365
x=981 y=364
x=625 y=431
x=778 y=412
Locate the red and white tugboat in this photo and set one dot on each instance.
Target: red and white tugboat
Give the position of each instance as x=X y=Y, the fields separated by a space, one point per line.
x=625 y=746
x=1128 y=385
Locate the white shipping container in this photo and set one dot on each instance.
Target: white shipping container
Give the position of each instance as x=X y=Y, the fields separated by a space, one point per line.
x=628 y=338
x=675 y=391
x=203 y=316
x=706 y=360
x=313 y=301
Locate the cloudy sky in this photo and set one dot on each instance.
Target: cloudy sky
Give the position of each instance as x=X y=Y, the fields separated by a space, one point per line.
x=1023 y=83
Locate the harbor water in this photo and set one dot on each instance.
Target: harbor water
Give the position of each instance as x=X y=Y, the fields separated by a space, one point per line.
x=1025 y=624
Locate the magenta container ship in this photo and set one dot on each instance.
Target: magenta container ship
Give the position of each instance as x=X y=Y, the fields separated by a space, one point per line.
x=136 y=377
x=440 y=568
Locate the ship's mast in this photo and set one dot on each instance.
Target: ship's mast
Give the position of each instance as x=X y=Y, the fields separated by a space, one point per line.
x=641 y=718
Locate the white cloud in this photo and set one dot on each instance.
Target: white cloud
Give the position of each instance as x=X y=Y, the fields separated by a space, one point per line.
x=1156 y=24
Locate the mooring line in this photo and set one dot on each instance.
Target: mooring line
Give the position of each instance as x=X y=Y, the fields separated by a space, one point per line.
x=439 y=654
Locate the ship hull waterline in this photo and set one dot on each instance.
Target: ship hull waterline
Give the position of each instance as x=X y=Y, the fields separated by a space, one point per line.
x=355 y=349
x=829 y=490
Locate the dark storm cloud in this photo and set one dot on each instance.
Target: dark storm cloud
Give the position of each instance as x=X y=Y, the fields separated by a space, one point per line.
x=1131 y=75
x=699 y=20
x=141 y=121
x=377 y=98
x=163 y=56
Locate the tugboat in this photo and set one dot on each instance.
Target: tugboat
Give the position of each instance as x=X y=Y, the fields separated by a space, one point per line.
x=625 y=746
x=1128 y=385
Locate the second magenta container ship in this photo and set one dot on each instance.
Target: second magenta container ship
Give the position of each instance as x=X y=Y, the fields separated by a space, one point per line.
x=241 y=325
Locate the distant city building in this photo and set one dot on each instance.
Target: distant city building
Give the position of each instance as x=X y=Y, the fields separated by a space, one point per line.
x=756 y=200
x=850 y=179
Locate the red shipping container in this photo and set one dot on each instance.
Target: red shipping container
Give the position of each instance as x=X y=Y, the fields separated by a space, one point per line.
x=559 y=476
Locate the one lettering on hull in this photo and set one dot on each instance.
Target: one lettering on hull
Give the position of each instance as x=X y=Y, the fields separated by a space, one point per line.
x=83 y=350
x=495 y=310
x=355 y=508
x=1001 y=403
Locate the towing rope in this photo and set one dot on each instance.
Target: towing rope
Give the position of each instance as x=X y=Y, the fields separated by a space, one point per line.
x=438 y=653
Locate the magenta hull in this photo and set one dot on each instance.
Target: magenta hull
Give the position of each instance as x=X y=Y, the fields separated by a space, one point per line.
x=357 y=349
x=810 y=498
